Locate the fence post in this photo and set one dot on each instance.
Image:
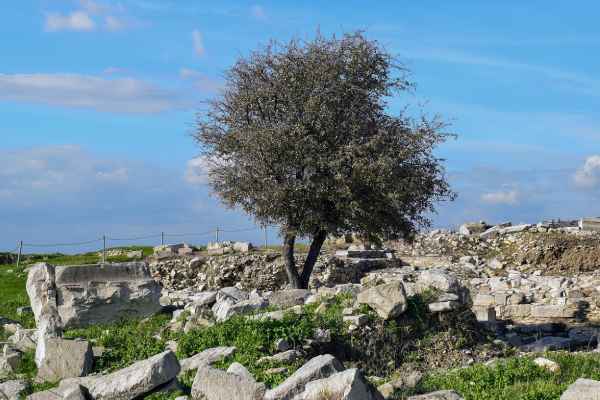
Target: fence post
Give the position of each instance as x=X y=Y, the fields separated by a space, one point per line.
x=265 y=228
x=217 y=235
x=103 y=249
x=20 y=252
x=162 y=238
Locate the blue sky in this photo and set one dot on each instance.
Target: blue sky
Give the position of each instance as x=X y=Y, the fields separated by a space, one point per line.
x=98 y=98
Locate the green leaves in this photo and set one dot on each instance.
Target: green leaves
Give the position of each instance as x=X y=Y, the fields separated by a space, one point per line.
x=301 y=138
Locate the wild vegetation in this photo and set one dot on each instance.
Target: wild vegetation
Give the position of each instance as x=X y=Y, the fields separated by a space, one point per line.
x=418 y=339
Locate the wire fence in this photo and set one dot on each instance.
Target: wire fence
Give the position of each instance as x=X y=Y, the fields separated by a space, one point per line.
x=105 y=241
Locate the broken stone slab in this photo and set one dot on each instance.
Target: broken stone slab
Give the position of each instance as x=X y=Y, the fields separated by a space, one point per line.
x=493 y=231
x=582 y=389
x=277 y=315
x=473 y=228
x=548 y=343
x=206 y=357
x=514 y=229
x=24 y=340
x=65 y=359
x=65 y=391
x=439 y=395
x=387 y=300
x=553 y=311
x=226 y=309
x=443 y=306
x=317 y=368
x=133 y=381
x=231 y=292
x=238 y=369
x=91 y=294
x=485 y=315
x=104 y=293
x=437 y=279
x=283 y=357
x=589 y=224
x=346 y=385
x=13 y=390
x=288 y=298
x=214 y=384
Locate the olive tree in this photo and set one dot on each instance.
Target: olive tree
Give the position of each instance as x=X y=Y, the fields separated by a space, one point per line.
x=300 y=137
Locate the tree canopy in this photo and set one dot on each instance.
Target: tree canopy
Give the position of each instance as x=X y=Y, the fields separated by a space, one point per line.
x=301 y=137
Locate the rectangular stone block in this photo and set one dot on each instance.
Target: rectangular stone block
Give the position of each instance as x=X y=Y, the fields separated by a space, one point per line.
x=485 y=314
x=484 y=300
x=518 y=310
x=552 y=311
x=590 y=224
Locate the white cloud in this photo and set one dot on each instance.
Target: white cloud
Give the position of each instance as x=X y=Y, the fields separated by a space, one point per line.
x=113 y=70
x=93 y=7
x=588 y=176
x=202 y=82
x=120 y=175
x=196 y=172
x=114 y=24
x=123 y=95
x=76 y=21
x=510 y=197
x=258 y=12
x=198 y=41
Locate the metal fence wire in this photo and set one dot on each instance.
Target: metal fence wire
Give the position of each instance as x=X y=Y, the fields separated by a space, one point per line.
x=106 y=239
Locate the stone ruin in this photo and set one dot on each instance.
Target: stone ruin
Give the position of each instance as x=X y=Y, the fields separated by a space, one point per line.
x=513 y=278
x=85 y=295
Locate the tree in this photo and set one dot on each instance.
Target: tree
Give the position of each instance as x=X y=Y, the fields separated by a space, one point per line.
x=300 y=137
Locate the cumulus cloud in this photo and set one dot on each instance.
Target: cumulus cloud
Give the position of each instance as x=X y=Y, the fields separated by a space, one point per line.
x=75 y=21
x=88 y=18
x=588 y=176
x=123 y=95
x=198 y=41
x=196 y=172
x=510 y=197
x=66 y=193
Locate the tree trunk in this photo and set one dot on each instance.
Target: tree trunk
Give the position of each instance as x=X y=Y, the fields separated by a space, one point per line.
x=289 y=240
x=311 y=259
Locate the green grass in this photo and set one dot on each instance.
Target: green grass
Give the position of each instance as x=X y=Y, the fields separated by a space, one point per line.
x=92 y=257
x=516 y=378
x=13 y=295
x=125 y=342
x=255 y=338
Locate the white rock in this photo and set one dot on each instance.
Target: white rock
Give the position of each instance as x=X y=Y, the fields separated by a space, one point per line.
x=547 y=364
x=582 y=389
x=214 y=384
x=346 y=385
x=65 y=359
x=388 y=300
x=439 y=395
x=206 y=357
x=13 y=390
x=238 y=369
x=133 y=381
x=319 y=367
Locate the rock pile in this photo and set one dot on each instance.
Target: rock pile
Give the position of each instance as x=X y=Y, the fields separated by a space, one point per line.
x=256 y=271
